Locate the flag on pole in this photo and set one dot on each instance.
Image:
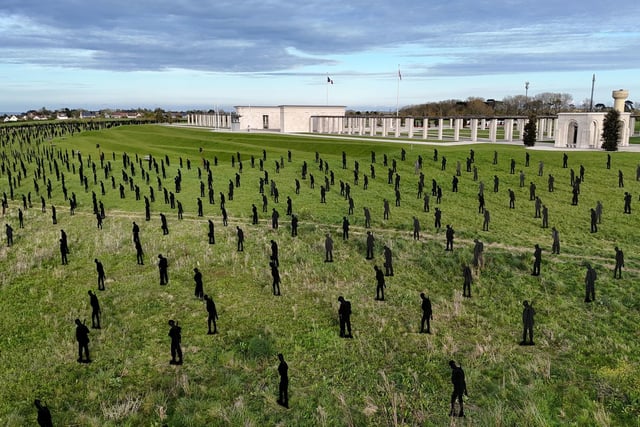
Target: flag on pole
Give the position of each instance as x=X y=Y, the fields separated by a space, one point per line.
x=399 y=74
x=329 y=80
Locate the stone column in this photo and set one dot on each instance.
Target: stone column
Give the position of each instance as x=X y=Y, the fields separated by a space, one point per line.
x=425 y=127
x=632 y=126
x=456 y=129
x=440 y=128
x=493 y=130
x=474 y=130
x=483 y=124
x=508 y=129
x=520 y=127
x=398 y=121
x=373 y=124
x=540 y=128
x=410 y=127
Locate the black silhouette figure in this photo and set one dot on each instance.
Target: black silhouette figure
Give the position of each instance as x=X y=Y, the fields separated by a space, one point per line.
x=619 y=264
x=95 y=310
x=101 y=275
x=44 y=415
x=370 y=242
x=294 y=225
x=283 y=388
x=163 y=267
x=627 y=202
x=388 y=261
x=380 y=284
x=210 y=234
x=136 y=232
x=175 y=333
x=427 y=315
x=9 y=231
x=537 y=258
x=486 y=218
x=344 y=315
x=459 y=388
x=164 y=226
x=64 y=250
x=212 y=315
x=478 y=254
x=590 y=284
x=274 y=253
x=527 y=322
x=275 y=274
x=555 y=246
x=416 y=229
x=139 y=253
x=82 y=336
x=345 y=228
x=240 y=235
x=449 y=235
x=197 y=278
x=468 y=280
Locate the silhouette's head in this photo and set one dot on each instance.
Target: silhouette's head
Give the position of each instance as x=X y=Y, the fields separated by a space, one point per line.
x=280 y=357
x=77 y=322
x=195 y=270
x=341 y=298
x=90 y=293
x=159 y=255
x=422 y=295
x=452 y=364
x=171 y=322
x=525 y=303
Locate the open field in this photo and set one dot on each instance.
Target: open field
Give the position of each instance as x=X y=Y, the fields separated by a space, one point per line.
x=582 y=370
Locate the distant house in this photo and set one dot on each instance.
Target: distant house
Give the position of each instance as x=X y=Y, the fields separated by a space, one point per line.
x=88 y=114
x=11 y=118
x=62 y=116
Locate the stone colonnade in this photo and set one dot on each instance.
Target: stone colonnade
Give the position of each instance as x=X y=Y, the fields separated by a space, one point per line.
x=449 y=128
x=210 y=120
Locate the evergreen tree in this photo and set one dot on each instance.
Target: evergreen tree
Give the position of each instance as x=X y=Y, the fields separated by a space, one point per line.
x=530 y=132
x=611 y=131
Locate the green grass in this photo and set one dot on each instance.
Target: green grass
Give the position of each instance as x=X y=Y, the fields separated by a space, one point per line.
x=581 y=372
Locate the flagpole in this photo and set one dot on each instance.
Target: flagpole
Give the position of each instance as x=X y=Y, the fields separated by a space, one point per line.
x=593 y=83
x=398 y=93
x=327 y=83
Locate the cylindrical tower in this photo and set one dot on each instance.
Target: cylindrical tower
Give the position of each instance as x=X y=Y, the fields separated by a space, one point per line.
x=619 y=96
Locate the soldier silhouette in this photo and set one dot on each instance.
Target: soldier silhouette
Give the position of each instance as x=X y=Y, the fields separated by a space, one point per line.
x=163 y=266
x=175 y=333
x=468 y=280
x=496 y=183
x=380 y=284
x=537 y=258
x=345 y=228
x=275 y=274
x=527 y=322
x=328 y=248
x=240 y=235
x=594 y=221
x=212 y=315
x=9 y=231
x=627 y=202
x=438 y=217
x=210 y=234
x=545 y=216
x=416 y=229
x=101 y=275
x=44 y=415
x=294 y=225
x=388 y=261
x=485 y=220
x=283 y=388
x=344 y=315
x=274 y=253
x=95 y=310
x=370 y=242
x=449 y=236
x=197 y=278
x=82 y=336
x=139 y=253
x=619 y=264
x=478 y=254
x=590 y=282
x=427 y=314
x=459 y=388
x=555 y=236
x=136 y=232
x=164 y=226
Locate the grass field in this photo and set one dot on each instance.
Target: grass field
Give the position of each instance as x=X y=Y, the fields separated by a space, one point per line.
x=582 y=370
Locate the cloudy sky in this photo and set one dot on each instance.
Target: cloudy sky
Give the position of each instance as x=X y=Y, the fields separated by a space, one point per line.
x=204 y=54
